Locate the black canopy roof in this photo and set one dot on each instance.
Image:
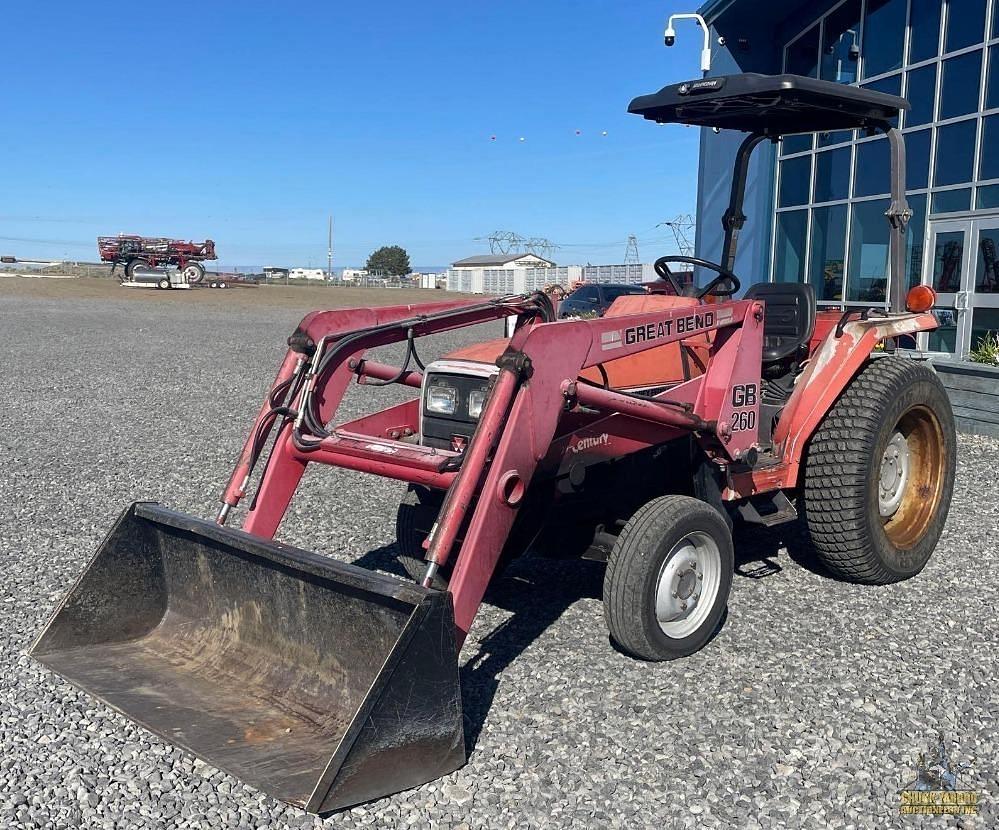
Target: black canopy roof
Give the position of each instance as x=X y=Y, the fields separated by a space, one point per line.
x=768 y=104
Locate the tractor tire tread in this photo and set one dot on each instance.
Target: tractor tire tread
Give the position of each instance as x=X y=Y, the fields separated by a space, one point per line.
x=625 y=592
x=837 y=473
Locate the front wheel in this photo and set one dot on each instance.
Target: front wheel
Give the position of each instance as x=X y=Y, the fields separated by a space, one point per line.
x=668 y=578
x=416 y=516
x=879 y=473
x=164 y=283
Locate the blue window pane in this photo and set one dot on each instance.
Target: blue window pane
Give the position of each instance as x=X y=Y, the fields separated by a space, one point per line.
x=841 y=43
x=838 y=137
x=825 y=266
x=987 y=266
x=884 y=36
x=965 y=24
x=914 y=239
x=795 y=175
x=873 y=172
x=948 y=258
x=868 y=252
x=802 y=56
x=988 y=168
x=960 y=84
x=789 y=256
x=832 y=175
x=790 y=144
x=924 y=39
x=921 y=90
x=951 y=201
x=955 y=154
x=917 y=159
x=992 y=83
x=892 y=85
x=988 y=197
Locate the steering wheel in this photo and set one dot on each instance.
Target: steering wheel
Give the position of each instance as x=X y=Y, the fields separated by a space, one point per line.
x=714 y=288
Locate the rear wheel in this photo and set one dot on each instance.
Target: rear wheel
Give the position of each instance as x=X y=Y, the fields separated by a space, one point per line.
x=163 y=282
x=880 y=472
x=668 y=578
x=194 y=272
x=132 y=265
x=416 y=516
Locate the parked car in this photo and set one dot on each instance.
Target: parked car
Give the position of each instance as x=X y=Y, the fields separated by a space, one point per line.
x=590 y=298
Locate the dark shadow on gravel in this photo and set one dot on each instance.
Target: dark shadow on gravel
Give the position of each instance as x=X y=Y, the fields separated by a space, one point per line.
x=537 y=591
x=757 y=549
x=382 y=559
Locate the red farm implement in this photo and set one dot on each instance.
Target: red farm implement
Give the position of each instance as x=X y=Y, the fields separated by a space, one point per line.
x=641 y=437
x=133 y=252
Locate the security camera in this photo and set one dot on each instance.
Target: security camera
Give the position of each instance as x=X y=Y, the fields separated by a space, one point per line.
x=669 y=37
x=854 y=52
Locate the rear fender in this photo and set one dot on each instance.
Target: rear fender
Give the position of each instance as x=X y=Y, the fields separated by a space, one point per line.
x=830 y=369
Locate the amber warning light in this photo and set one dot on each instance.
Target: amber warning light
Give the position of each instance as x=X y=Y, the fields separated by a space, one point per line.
x=921 y=298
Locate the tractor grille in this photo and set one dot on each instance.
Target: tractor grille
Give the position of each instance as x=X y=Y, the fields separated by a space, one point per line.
x=448 y=431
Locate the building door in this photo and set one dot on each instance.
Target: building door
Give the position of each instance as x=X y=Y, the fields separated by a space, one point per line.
x=963 y=268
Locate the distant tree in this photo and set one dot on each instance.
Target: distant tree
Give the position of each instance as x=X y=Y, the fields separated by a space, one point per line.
x=391 y=260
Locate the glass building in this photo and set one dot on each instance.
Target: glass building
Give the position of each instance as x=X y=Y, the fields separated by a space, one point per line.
x=817 y=203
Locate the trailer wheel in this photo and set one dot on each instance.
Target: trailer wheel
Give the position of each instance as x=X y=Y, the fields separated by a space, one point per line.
x=879 y=473
x=416 y=515
x=163 y=282
x=132 y=264
x=668 y=578
x=194 y=272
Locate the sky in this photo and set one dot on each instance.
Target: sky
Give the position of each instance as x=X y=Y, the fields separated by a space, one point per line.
x=250 y=123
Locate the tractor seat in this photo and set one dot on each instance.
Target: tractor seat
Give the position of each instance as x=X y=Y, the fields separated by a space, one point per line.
x=790 y=317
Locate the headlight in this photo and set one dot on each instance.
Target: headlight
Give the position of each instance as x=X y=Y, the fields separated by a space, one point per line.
x=476 y=399
x=442 y=399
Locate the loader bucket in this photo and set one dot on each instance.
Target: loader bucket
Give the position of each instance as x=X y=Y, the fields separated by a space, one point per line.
x=321 y=684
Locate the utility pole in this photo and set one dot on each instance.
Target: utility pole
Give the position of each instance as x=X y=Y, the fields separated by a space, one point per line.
x=329 y=251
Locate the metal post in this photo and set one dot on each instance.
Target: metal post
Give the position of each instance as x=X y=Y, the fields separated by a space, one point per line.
x=734 y=218
x=899 y=213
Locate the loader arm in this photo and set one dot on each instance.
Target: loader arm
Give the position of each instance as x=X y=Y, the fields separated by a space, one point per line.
x=535 y=385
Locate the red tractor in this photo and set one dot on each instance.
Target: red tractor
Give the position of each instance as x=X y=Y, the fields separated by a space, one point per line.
x=152 y=252
x=641 y=437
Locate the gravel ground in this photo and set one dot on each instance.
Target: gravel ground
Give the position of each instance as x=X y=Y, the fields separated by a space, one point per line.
x=809 y=709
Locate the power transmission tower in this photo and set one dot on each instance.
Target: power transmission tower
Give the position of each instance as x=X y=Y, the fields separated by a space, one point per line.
x=631 y=256
x=683 y=227
x=508 y=242
x=505 y=242
x=541 y=247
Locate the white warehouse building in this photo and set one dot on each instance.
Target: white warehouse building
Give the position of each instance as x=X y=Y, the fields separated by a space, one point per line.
x=518 y=273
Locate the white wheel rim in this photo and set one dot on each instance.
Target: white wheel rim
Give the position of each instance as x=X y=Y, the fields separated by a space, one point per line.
x=893 y=476
x=688 y=585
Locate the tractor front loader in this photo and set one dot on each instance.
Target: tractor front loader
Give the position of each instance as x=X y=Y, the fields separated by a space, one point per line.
x=644 y=435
